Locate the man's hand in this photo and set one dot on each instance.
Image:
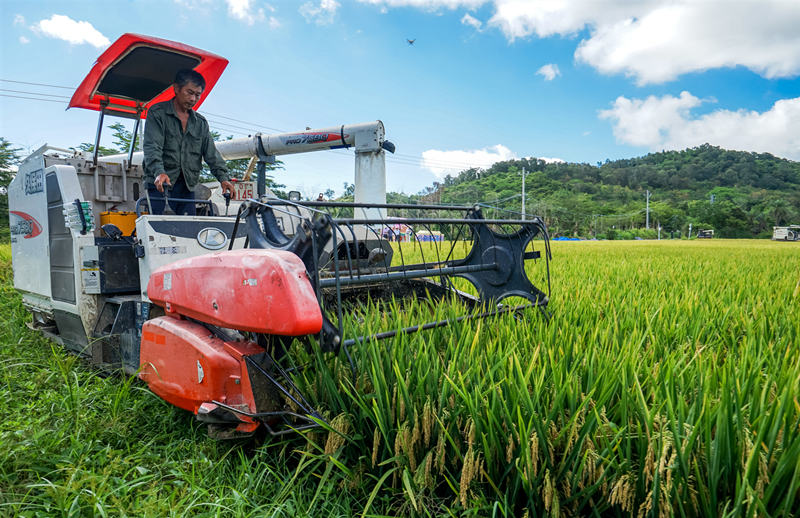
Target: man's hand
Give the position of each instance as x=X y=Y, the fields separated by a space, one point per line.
x=161 y=180
x=226 y=186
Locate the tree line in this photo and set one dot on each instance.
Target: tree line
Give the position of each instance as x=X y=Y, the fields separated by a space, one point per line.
x=736 y=193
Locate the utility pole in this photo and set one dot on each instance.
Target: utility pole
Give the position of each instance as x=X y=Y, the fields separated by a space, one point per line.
x=647 y=218
x=523 y=193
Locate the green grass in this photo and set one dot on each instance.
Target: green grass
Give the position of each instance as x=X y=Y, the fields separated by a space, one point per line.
x=665 y=384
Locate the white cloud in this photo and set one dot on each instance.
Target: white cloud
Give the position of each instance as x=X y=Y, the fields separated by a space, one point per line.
x=667 y=123
x=245 y=11
x=647 y=122
x=19 y=19
x=658 y=40
x=65 y=28
x=322 y=14
x=442 y=163
x=549 y=160
x=473 y=22
x=671 y=40
x=549 y=71
x=651 y=40
x=543 y=18
x=24 y=40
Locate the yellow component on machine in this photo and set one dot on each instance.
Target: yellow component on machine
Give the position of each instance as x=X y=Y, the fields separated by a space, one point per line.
x=124 y=220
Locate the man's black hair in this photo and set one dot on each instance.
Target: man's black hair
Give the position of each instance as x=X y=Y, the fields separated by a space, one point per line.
x=186 y=75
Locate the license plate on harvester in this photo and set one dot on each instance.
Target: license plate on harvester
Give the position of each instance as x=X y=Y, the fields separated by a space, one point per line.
x=244 y=190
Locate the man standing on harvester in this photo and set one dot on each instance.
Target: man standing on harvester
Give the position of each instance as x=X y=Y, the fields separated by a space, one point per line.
x=176 y=139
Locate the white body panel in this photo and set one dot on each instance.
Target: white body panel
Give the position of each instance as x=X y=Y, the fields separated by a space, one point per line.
x=33 y=257
x=370 y=184
x=169 y=238
x=30 y=250
x=85 y=304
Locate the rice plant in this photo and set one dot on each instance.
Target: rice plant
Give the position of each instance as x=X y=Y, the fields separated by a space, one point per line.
x=665 y=384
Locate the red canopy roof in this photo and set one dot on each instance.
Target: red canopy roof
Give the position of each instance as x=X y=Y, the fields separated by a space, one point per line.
x=137 y=71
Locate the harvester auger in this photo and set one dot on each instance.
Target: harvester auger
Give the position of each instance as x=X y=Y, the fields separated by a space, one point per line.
x=205 y=308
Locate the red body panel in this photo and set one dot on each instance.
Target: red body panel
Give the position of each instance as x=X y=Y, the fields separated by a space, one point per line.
x=263 y=291
x=187 y=366
x=211 y=67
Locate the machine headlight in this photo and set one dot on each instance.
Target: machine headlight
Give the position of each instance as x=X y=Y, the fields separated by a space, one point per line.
x=212 y=238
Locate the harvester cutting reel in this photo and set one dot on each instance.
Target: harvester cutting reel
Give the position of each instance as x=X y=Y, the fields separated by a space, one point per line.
x=279 y=288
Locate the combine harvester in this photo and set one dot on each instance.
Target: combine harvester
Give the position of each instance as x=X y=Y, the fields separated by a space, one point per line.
x=205 y=307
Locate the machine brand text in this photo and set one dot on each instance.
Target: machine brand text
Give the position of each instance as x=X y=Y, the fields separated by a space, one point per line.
x=34 y=182
x=23 y=224
x=310 y=138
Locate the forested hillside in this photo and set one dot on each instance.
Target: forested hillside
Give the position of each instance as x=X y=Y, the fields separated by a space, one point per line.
x=736 y=193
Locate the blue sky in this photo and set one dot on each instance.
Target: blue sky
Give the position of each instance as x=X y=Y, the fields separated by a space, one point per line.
x=486 y=80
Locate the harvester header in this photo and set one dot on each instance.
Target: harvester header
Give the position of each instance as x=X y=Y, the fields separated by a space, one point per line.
x=209 y=310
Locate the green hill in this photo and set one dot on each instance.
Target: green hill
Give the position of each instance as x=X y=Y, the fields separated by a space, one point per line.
x=751 y=192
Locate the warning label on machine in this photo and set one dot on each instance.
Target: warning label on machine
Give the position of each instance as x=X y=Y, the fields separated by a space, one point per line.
x=91 y=280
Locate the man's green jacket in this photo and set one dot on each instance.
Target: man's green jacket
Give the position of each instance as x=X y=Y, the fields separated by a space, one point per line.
x=168 y=149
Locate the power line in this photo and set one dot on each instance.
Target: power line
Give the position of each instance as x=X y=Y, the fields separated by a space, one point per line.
x=251 y=128
x=243 y=122
x=401 y=159
x=33 y=93
x=32 y=98
x=223 y=127
x=37 y=84
x=231 y=127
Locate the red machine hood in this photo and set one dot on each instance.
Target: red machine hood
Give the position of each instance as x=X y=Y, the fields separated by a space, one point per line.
x=137 y=71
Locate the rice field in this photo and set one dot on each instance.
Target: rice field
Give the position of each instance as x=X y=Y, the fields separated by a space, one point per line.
x=665 y=384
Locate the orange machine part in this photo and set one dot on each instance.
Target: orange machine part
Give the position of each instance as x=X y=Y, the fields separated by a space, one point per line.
x=124 y=220
x=263 y=291
x=184 y=364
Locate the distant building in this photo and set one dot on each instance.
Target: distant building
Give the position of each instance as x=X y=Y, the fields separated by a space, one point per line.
x=790 y=233
x=429 y=236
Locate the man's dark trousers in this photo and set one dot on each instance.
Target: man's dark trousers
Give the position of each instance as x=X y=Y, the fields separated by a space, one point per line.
x=179 y=191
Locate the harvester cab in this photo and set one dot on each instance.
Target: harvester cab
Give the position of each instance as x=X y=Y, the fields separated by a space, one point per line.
x=206 y=308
